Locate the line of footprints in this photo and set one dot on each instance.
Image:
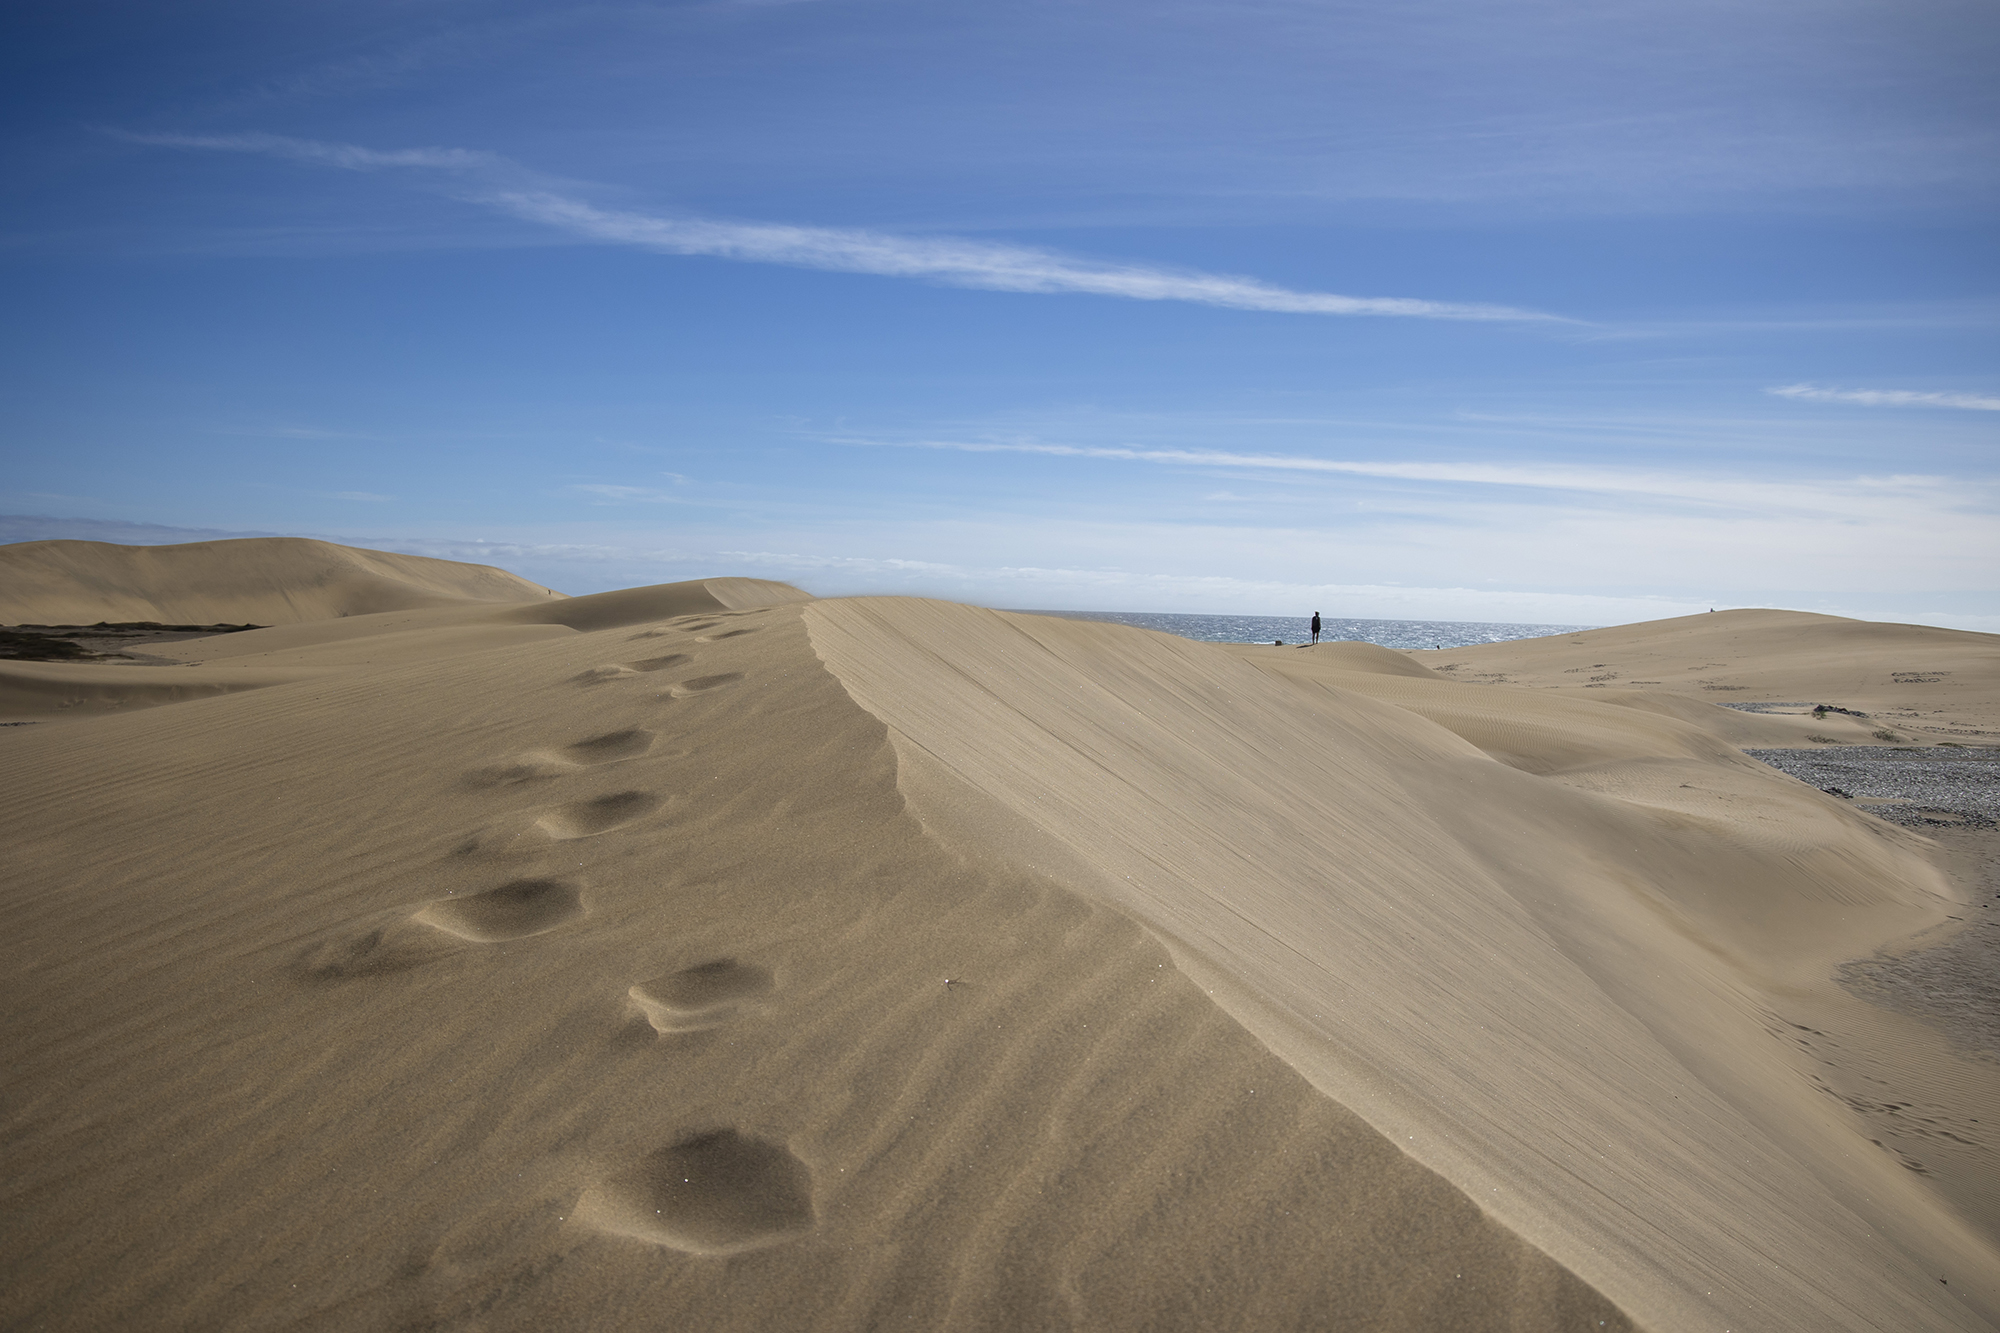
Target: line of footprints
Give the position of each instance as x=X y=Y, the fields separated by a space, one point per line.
x=718 y=1192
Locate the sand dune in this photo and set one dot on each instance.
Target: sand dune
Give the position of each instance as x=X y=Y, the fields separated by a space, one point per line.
x=1561 y=994
x=716 y=959
x=253 y=580
x=225 y=664
x=1930 y=684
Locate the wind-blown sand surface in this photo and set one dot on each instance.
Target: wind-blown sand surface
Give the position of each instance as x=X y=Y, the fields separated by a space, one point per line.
x=706 y=957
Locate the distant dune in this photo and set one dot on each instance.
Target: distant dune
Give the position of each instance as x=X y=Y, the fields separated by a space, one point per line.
x=710 y=957
x=254 y=580
x=311 y=648
x=1933 y=683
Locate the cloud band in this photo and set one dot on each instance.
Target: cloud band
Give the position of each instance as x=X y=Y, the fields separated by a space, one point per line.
x=1888 y=397
x=493 y=181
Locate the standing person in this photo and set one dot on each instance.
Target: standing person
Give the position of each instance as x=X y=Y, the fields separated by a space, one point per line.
x=1315 y=627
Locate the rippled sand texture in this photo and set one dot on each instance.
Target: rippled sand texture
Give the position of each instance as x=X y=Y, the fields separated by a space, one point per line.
x=1563 y=951
x=707 y=958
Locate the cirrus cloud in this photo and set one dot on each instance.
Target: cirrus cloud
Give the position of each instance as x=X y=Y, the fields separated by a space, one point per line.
x=1888 y=397
x=495 y=182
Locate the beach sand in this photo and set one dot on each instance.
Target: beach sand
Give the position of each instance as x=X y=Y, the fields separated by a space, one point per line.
x=709 y=957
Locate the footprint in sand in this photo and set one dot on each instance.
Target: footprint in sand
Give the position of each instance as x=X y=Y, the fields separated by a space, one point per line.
x=597 y=675
x=513 y=911
x=536 y=765
x=527 y=834
x=716 y=1193
x=599 y=814
x=611 y=746
x=703 y=684
x=700 y=997
x=379 y=953
x=706 y=624
x=659 y=663
x=728 y=634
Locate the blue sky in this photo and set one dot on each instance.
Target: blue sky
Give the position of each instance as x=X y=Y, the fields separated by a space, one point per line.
x=1505 y=311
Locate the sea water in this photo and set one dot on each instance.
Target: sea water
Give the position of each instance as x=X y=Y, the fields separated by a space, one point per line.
x=1404 y=634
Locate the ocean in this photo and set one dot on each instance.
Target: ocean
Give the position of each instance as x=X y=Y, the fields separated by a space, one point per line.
x=1405 y=634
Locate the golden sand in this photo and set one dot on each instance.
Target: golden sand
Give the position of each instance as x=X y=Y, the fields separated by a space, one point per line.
x=707 y=957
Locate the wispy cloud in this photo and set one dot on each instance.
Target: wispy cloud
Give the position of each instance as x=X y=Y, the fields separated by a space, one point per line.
x=347 y=156
x=961 y=263
x=494 y=181
x=1888 y=397
x=1850 y=496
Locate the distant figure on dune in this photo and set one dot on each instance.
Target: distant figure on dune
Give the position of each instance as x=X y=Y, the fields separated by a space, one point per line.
x=1315 y=627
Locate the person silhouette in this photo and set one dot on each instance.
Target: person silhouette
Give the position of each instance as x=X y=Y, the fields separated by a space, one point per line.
x=1315 y=627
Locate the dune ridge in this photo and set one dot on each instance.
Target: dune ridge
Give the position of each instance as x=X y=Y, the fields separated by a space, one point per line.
x=1497 y=969
x=306 y=648
x=248 y=580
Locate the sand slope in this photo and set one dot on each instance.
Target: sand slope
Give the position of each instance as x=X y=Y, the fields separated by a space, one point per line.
x=1547 y=729
x=599 y=981
x=253 y=580
x=1570 y=997
x=705 y=957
